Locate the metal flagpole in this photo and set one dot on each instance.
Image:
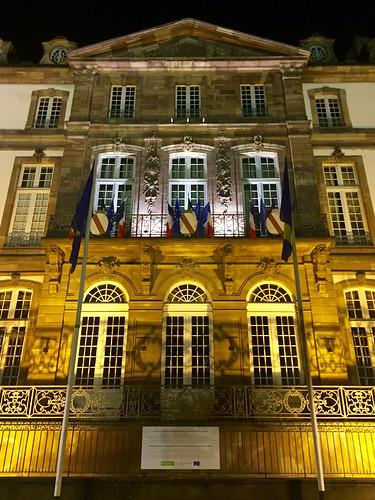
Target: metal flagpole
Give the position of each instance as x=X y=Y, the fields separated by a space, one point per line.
x=72 y=362
x=307 y=366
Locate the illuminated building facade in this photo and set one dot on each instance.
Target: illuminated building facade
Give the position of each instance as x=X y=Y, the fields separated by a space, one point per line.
x=189 y=315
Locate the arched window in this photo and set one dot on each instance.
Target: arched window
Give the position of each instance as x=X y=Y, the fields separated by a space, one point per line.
x=103 y=336
x=360 y=304
x=274 y=350
x=187 y=353
x=14 y=315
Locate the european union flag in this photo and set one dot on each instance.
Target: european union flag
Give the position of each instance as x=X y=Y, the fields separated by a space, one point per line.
x=79 y=220
x=286 y=215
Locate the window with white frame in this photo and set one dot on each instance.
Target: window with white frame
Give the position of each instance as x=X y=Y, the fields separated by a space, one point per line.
x=187 y=101
x=14 y=316
x=114 y=186
x=187 y=180
x=329 y=111
x=360 y=306
x=345 y=204
x=31 y=205
x=253 y=101
x=103 y=336
x=274 y=350
x=48 y=112
x=122 y=102
x=261 y=181
x=187 y=331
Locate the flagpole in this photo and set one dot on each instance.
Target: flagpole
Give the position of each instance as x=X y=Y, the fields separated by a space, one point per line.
x=307 y=366
x=72 y=362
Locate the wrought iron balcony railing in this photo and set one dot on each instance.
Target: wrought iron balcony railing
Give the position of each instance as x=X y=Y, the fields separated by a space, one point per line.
x=225 y=225
x=230 y=402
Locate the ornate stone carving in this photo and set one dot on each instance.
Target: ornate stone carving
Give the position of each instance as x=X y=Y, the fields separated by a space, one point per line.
x=188 y=268
x=319 y=257
x=152 y=172
x=6 y=49
x=85 y=70
x=187 y=143
x=338 y=154
x=292 y=70
x=118 y=144
x=55 y=260
x=269 y=267
x=257 y=144
x=39 y=154
x=147 y=261
x=107 y=266
x=228 y=269
x=361 y=277
x=223 y=166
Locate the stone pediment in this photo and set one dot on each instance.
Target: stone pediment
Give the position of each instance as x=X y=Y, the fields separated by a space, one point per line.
x=188 y=39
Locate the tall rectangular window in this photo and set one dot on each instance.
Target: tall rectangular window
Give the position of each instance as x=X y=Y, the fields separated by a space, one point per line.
x=253 y=101
x=329 y=111
x=31 y=205
x=360 y=306
x=187 y=101
x=14 y=315
x=187 y=180
x=48 y=112
x=345 y=205
x=122 y=102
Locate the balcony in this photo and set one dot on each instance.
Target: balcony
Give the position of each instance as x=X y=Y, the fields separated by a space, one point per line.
x=229 y=403
x=225 y=225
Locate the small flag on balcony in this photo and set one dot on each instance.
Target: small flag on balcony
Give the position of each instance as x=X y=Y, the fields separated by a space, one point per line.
x=252 y=232
x=169 y=224
x=207 y=221
x=286 y=216
x=120 y=219
x=79 y=220
x=176 y=219
x=263 y=218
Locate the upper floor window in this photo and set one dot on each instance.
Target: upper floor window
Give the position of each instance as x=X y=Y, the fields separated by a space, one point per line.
x=187 y=101
x=360 y=306
x=329 y=107
x=261 y=185
x=253 y=101
x=114 y=187
x=187 y=179
x=14 y=315
x=103 y=336
x=274 y=349
x=122 y=103
x=345 y=204
x=31 y=205
x=187 y=356
x=48 y=108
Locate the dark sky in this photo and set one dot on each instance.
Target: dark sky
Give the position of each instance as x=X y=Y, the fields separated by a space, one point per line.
x=91 y=21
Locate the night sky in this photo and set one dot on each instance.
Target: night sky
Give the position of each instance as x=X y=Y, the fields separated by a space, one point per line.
x=87 y=22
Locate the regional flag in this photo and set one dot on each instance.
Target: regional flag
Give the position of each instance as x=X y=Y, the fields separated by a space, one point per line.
x=120 y=219
x=79 y=220
x=286 y=215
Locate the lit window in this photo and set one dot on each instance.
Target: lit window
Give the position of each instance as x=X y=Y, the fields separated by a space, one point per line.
x=102 y=343
x=329 y=111
x=187 y=101
x=253 y=102
x=48 y=112
x=345 y=205
x=187 y=356
x=122 y=102
x=274 y=350
x=187 y=180
x=360 y=306
x=31 y=206
x=14 y=315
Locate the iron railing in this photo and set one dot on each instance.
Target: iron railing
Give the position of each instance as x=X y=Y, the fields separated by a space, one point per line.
x=230 y=402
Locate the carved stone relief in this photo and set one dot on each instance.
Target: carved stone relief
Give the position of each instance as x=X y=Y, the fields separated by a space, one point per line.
x=55 y=260
x=224 y=170
x=319 y=257
x=152 y=172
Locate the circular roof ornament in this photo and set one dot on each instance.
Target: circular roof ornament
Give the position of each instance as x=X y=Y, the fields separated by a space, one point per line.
x=318 y=53
x=58 y=55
